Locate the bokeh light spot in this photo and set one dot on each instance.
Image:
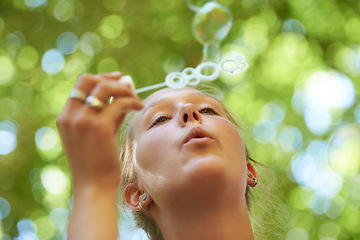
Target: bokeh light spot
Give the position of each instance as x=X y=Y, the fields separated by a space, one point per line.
x=272 y=112
x=7 y=69
x=90 y=43
x=59 y=216
x=352 y=29
x=64 y=10
x=293 y=25
x=27 y=229
x=344 y=152
x=46 y=138
x=4 y=208
x=111 y=26
x=317 y=120
x=67 y=43
x=329 y=229
x=27 y=57
x=290 y=138
x=265 y=131
x=336 y=207
x=297 y=234
x=53 y=61
x=54 y=180
x=8 y=140
x=108 y=65
x=357 y=114
x=35 y=3
x=329 y=90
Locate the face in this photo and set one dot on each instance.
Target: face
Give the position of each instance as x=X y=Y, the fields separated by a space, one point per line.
x=184 y=140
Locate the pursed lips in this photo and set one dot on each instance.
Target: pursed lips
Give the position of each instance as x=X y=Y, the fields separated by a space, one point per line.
x=197 y=133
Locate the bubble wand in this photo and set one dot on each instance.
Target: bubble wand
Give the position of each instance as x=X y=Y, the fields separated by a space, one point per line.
x=211 y=24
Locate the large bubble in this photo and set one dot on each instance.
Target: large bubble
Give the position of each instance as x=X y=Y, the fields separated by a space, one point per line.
x=212 y=23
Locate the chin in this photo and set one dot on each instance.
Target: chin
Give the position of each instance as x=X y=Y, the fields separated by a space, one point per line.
x=207 y=171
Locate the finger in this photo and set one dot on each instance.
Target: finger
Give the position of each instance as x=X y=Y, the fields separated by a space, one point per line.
x=117 y=111
x=106 y=89
x=110 y=76
x=85 y=84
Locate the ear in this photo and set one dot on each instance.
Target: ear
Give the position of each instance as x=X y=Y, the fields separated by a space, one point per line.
x=132 y=197
x=251 y=169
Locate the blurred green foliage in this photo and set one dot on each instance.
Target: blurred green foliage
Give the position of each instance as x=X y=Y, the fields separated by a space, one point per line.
x=291 y=46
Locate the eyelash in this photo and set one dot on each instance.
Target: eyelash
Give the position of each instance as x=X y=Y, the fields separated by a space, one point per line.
x=212 y=110
x=159 y=119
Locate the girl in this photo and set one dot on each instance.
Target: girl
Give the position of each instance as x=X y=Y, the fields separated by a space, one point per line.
x=185 y=167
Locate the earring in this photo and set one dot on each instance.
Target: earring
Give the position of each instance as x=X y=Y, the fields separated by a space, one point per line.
x=142 y=197
x=254 y=179
x=141 y=207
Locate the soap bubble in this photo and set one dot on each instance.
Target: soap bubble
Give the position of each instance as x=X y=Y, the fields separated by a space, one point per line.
x=344 y=152
x=212 y=23
x=195 y=5
x=211 y=52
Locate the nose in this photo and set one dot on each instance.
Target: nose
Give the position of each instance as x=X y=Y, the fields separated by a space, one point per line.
x=189 y=114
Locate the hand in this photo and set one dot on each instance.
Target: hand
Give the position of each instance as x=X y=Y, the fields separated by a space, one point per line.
x=89 y=134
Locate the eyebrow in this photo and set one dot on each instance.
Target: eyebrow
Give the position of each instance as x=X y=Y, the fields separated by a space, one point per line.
x=159 y=100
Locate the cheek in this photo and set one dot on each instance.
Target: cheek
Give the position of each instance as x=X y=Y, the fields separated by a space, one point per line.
x=154 y=149
x=234 y=144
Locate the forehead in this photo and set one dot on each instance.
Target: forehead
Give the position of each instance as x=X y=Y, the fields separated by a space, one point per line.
x=168 y=93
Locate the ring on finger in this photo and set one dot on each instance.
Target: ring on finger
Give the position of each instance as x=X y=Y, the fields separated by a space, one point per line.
x=95 y=102
x=77 y=94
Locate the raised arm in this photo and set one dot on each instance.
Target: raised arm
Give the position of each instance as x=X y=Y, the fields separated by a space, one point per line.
x=89 y=138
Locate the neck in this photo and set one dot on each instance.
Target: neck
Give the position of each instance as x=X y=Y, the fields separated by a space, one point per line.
x=229 y=221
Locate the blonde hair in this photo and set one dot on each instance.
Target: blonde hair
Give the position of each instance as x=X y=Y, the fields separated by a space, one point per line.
x=141 y=220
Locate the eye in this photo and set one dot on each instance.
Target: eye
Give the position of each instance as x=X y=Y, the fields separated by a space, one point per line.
x=159 y=120
x=208 y=110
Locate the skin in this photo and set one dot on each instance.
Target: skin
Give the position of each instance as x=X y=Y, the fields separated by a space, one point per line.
x=196 y=185
x=191 y=187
